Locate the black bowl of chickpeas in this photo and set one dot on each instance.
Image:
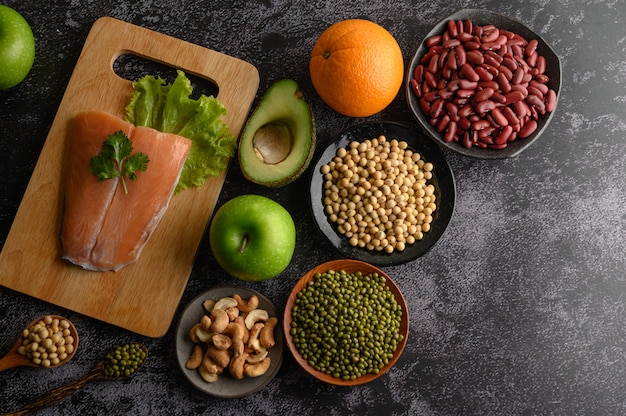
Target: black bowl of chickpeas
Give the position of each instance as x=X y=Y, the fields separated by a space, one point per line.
x=483 y=85
x=346 y=322
x=382 y=193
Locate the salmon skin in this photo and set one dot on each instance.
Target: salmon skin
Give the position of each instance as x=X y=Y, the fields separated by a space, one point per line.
x=104 y=228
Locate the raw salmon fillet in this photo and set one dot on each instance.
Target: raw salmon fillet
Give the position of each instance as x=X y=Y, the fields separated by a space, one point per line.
x=104 y=228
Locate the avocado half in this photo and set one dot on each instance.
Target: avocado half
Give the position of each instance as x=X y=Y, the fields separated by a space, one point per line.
x=278 y=139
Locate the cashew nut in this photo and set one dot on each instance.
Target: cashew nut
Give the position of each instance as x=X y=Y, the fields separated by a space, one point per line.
x=266 y=338
x=254 y=334
x=206 y=376
x=205 y=322
x=236 y=366
x=256 y=358
x=255 y=370
x=221 y=341
x=246 y=306
x=235 y=330
x=241 y=321
x=220 y=320
x=209 y=365
x=219 y=357
x=202 y=335
x=192 y=333
x=208 y=305
x=195 y=359
x=254 y=316
x=225 y=303
x=232 y=313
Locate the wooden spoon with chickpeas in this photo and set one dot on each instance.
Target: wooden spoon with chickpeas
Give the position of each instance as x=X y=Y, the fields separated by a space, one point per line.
x=47 y=342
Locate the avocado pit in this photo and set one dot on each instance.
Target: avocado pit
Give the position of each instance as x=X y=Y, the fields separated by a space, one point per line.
x=273 y=142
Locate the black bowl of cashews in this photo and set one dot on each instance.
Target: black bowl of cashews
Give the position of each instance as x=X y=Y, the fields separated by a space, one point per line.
x=229 y=342
x=483 y=85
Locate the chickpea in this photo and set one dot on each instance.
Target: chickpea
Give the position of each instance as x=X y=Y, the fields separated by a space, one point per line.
x=380 y=196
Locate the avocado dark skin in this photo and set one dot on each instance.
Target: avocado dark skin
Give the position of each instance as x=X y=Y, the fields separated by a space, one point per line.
x=278 y=140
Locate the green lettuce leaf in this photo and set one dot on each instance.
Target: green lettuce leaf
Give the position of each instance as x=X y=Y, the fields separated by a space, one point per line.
x=168 y=108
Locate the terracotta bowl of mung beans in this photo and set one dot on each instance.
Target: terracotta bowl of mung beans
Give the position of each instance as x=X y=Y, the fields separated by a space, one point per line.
x=391 y=221
x=346 y=322
x=483 y=85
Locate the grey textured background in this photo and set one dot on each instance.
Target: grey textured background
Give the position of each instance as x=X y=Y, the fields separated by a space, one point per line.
x=518 y=310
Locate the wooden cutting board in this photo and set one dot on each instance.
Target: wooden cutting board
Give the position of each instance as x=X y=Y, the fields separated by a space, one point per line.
x=142 y=297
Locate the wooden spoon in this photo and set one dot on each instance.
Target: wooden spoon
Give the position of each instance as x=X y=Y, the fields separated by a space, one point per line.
x=59 y=394
x=14 y=359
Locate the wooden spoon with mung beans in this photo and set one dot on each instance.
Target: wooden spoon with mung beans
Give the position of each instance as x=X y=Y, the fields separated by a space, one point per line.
x=119 y=363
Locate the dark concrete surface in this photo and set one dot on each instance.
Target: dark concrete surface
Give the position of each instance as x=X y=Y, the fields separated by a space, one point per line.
x=518 y=310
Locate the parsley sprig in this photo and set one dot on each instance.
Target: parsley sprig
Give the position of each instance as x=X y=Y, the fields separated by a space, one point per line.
x=116 y=160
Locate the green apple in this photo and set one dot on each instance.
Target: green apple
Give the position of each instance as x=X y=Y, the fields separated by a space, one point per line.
x=252 y=237
x=17 y=48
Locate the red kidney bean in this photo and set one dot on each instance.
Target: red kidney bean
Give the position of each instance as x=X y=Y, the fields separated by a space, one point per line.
x=475 y=57
x=508 y=74
x=483 y=74
x=528 y=129
x=465 y=84
x=498 y=98
x=499 y=118
x=415 y=87
x=453 y=111
x=541 y=64
x=482 y=86
x=513 y=97
x=483 y=95
x=532 y=59
x=550 y=101
x=484 y=107
x=451 y=43
x=536 y=102
x=424 y=105
x=521 y=109
x=480 y=124
x=541 y=87
x=443 y=123
x=433 y=40
x=466 y=111
x=465 y=93
x=469 y=72
x=510 y=115
x=451 y=61
x=436 y=108
x=531 y=47
x=418 y=73
x=503 y=135
x=453 y=29
x=461 y=56
x=503 y=83
x=433 y=63
x=430 y=79
x=521 y=88
x=450 y=132
x=465 y=37
x=534 y=91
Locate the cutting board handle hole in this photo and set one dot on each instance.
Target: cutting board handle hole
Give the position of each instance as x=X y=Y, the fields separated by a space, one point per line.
x=132 y=67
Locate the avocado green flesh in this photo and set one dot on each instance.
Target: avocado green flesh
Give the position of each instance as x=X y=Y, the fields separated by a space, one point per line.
x=278 y=140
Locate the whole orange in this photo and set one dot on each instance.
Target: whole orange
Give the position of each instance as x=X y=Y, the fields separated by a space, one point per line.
x=356 y=67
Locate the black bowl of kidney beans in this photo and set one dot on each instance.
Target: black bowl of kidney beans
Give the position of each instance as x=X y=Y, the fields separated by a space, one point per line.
x=483 y=85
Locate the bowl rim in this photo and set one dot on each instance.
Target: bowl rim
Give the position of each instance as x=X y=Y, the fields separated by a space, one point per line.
x=350 y=266
x=482 y=17
x=444 y=181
